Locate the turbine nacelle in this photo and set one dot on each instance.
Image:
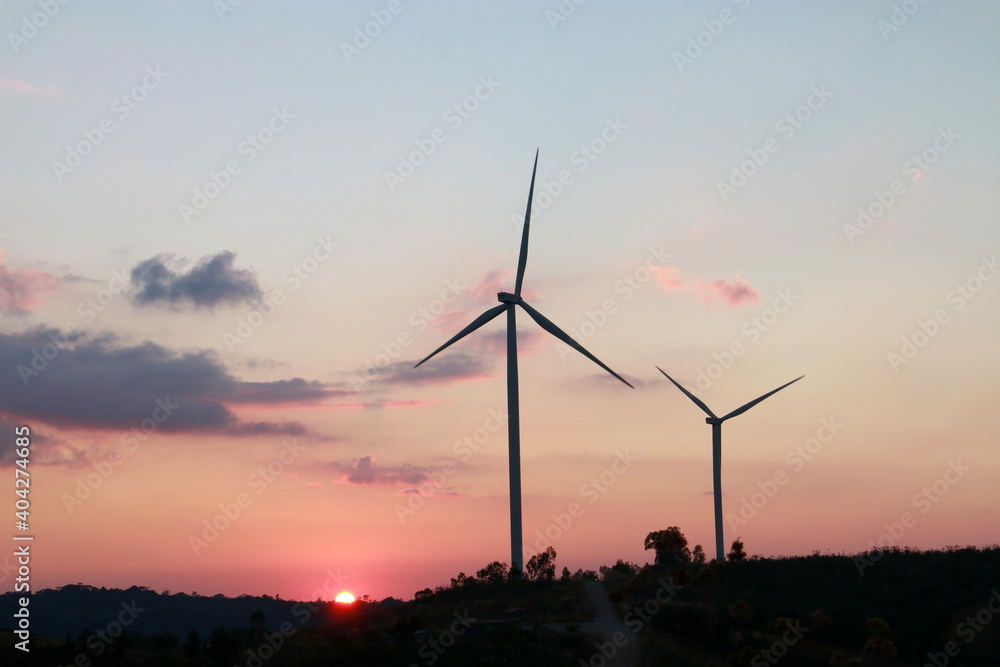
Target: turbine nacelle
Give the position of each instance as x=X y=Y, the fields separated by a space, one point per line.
x=507 y=297
x=714 y=420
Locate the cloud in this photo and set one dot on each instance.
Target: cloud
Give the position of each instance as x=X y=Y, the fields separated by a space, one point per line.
x=446 y=368
x=100 y=383
x=267 y=428
x=473 y=357
x=213 y=281
x=606 y=378
x=494 y=343
x=295 y=390
x=22 y=87
x=21 y=289
x=431 y=494
x=363 y=472
x=468 y=304
x=44 y=449
x=498 y=280
x=381 y=403
x=735 y=292
x=450 y=323
x=668 y=277
x=491 y=283
x=473 y=301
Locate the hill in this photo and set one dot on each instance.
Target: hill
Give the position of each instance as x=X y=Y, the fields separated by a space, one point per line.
x=887 y=607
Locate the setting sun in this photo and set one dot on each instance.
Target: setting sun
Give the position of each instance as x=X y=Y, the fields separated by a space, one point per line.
x=345 y=598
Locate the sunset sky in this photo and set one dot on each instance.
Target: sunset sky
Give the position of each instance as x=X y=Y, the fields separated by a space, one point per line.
x=230 y=230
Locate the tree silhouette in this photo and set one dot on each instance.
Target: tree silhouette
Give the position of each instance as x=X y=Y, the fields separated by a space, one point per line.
x=542 y=566
x=494 y=573
x=193 y=645
x=670 y=546
x=462 y=580
x=68 y=649
x=165 y=641
x=621 y=567
x=223 y=645
x=257 y=626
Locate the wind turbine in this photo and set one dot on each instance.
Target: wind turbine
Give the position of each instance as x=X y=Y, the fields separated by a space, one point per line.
x=507 y=303
x=716 y=423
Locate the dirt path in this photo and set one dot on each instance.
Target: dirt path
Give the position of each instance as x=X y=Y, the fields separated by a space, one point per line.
x=608 y=627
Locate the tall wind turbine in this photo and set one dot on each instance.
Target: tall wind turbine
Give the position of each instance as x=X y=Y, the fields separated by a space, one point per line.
x=507 y=303
x=716 y=423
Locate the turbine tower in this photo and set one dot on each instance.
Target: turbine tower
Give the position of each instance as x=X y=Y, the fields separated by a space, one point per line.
x=716 y=423
x=507 y=303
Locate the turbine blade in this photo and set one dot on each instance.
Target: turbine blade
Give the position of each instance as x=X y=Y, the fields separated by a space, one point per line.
x=741 y=410
x=476 y=323
x=522 y=258
x=544 y=323
x=697 y=401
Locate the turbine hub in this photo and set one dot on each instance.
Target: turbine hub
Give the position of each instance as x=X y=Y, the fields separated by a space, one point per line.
x=712 y=420
x=507 y=297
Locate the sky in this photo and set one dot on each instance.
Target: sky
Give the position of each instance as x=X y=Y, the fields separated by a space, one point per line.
x=231 y=229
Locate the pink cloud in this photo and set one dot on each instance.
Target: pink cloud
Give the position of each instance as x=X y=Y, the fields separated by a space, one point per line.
x=735 y=292
x=472 y=301
x=667 y=277
x=498 y=280
x=20 y=86
x=452 y=320
x=21 y=289
x=491 y=283
x=473 y=357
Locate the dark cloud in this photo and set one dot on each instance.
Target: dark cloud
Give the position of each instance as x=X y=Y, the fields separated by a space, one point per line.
x=606 y=378
x=282 y=391
x=473 y=358
x=101 y=383
x=213 y=281
x=364 y=472
x=446 y=368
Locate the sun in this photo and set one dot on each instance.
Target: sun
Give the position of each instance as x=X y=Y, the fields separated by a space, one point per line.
x=344 y=598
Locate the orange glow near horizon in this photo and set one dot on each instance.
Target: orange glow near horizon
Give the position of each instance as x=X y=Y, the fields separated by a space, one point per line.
x=344 y=598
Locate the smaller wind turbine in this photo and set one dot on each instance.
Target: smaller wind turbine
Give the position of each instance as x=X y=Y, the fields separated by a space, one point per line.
x=716 y=423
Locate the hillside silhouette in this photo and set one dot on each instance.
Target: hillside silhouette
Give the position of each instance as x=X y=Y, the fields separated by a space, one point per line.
x=884 y=607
